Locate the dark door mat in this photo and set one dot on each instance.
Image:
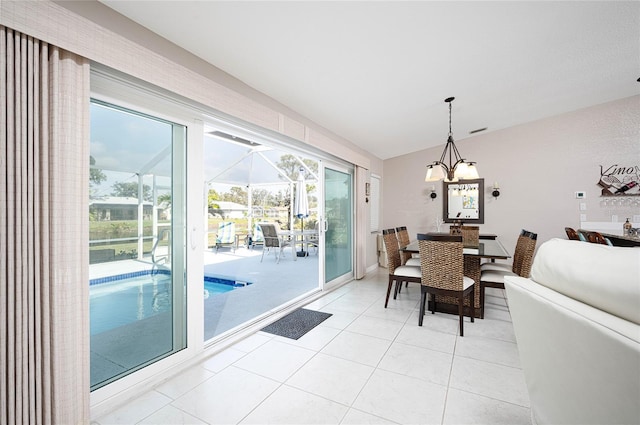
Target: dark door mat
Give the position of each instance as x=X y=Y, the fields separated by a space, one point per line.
x=296 y=324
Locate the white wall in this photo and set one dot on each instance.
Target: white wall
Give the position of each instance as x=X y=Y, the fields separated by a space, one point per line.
x=539 y=166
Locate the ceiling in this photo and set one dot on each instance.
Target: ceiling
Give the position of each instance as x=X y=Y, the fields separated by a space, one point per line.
x=377 y=73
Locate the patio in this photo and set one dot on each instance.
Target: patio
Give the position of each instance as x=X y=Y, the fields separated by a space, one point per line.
x=271 y=285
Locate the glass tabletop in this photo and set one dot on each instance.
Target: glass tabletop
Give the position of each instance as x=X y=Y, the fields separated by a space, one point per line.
x=487 y=248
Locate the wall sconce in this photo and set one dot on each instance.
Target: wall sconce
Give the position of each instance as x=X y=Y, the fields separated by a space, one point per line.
x=433 y=194
x=496 y=190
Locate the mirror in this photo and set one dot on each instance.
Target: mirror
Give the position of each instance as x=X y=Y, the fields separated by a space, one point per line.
x=463 y=201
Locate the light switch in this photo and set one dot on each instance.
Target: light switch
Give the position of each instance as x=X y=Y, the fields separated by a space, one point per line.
x=583 y=206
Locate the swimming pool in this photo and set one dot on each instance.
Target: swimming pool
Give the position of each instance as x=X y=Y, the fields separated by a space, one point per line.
x=115 y=301
x=218 y=285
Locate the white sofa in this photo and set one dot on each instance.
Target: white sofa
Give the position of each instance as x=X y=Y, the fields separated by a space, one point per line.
x=577 y=324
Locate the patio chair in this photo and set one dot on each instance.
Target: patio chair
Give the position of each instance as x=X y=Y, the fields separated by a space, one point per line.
x=313 y=240
x=226 y=234
x=273 y=239
x=257 y=238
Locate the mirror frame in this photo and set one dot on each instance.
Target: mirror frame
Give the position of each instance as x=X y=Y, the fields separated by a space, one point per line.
x=445 y=202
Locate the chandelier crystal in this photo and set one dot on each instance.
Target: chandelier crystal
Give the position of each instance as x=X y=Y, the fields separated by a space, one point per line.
x=457 y=168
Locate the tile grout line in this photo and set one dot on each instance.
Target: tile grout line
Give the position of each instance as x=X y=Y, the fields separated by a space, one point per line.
x=446 y=396
x=281 y=384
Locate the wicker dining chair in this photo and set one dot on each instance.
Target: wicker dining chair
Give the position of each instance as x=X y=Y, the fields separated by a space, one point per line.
x=492 y=274
x=470 y=234
x=521 y=246
x=403 y=240
x=397 y=272
x=442 y=268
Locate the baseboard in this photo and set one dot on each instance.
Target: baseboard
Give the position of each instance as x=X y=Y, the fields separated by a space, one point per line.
x=372 y=268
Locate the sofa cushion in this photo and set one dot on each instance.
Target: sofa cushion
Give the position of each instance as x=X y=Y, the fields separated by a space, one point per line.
x=605 y=277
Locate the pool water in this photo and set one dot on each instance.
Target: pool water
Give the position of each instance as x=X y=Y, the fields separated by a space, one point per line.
x=124 y=301
x=212 y=288
x=116 y=302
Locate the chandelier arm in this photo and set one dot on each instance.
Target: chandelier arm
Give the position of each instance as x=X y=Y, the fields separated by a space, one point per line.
x=457 y=154
x=452 y=151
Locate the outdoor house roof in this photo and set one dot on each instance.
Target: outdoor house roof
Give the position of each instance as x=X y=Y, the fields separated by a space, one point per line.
x=117 y=200
x=231 y=206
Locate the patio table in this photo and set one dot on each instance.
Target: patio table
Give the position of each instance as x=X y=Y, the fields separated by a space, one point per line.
x=302 y=237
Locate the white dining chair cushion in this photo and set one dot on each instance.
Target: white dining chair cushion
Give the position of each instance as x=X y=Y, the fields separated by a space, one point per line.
x=413 y=262
x=467 y=282
x=408 y=271
x=496 y=266
x=496 y=276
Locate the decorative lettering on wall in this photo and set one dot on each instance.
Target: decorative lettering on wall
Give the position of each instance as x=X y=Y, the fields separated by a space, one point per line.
x=620 y=180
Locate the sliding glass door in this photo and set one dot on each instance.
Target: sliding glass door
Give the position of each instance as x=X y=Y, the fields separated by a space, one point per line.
x=338 y=225
x=137 y=240
x=249 y=184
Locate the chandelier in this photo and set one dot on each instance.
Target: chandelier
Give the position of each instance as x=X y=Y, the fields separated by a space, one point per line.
x=458 y=168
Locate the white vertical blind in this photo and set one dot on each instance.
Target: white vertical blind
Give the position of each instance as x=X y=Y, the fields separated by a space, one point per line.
x=44 y=222
x=374 y=200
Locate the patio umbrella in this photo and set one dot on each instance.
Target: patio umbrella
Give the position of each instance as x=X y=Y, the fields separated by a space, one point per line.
x=301 y=206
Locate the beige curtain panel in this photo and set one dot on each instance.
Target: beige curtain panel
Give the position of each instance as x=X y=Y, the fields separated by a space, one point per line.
x=44 y=291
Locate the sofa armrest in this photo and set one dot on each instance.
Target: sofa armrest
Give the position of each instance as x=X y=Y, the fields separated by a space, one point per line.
x=581 y=364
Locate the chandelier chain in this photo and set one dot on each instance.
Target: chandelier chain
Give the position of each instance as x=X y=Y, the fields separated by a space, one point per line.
x=450 y=133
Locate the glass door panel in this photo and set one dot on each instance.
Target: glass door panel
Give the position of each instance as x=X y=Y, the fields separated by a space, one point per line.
x=136 y=209
x=338 y=224
x=248 y=183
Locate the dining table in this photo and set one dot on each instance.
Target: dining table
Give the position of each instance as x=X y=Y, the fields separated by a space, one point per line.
x=489 y=249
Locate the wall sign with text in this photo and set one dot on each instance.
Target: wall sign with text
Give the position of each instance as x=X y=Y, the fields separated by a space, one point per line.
x=620 y=180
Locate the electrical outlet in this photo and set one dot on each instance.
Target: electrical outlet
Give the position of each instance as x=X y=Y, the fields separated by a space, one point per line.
x=583 y=206
x=583 y=217
x=614 y=218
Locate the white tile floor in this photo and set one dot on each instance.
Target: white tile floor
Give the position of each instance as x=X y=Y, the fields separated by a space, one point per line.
x=364 y=365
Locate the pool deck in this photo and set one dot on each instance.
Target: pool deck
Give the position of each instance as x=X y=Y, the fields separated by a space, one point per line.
x=100 y=270
x=272 y=285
